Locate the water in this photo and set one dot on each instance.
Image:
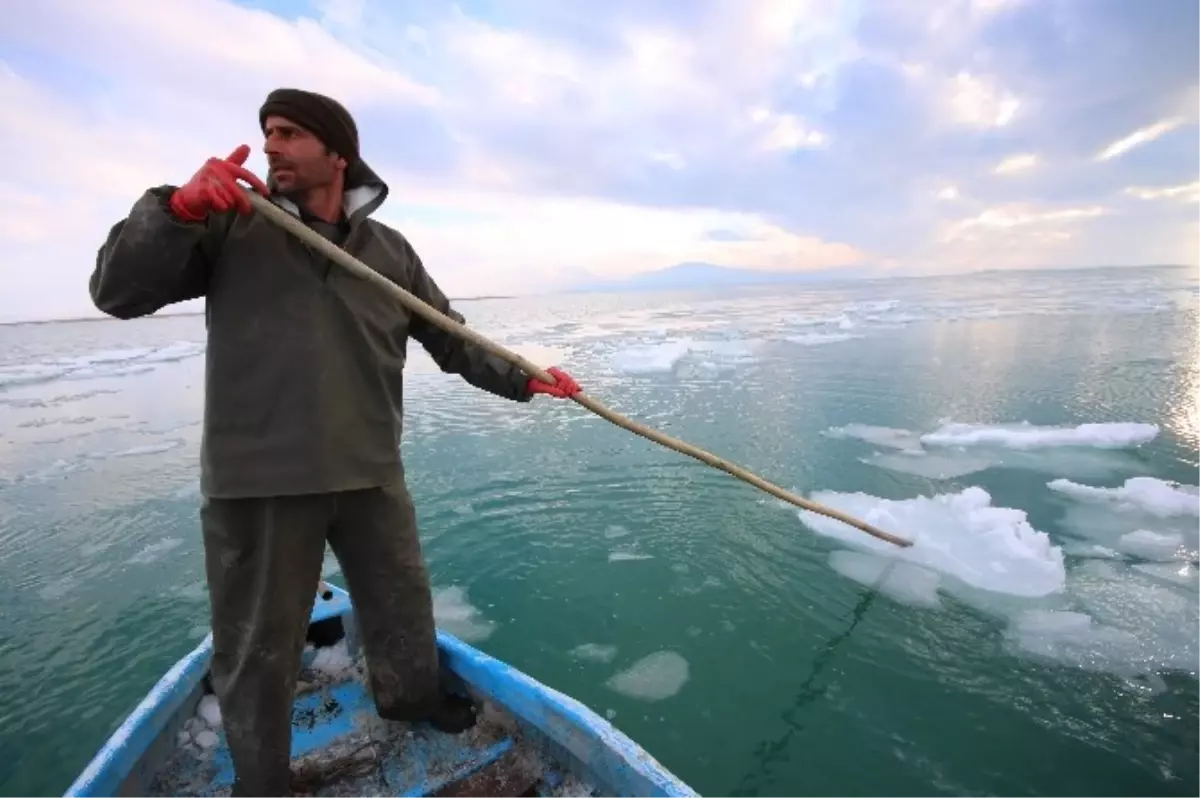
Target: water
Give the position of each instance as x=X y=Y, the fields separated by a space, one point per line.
x=751 y=652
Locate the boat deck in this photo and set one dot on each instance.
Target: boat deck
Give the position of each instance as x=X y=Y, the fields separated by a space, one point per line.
x=340 y=746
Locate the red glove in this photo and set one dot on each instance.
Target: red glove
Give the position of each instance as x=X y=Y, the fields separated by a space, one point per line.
x=215 y=187
x=564 y=385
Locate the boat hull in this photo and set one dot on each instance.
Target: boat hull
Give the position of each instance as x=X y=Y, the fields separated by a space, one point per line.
x=531 y=739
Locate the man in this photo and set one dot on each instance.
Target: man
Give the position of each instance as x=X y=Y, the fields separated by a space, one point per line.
x=302 y=417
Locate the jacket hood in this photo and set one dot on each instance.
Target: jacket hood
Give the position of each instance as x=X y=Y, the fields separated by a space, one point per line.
x=365 y=192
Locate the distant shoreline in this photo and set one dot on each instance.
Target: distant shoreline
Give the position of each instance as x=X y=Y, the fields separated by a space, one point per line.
x=619 y=288
x=161 y=316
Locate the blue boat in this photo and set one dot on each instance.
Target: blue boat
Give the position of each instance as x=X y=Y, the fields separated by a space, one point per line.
x=529 y=738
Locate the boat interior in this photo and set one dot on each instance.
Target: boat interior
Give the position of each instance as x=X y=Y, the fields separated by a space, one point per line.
x=340 y=746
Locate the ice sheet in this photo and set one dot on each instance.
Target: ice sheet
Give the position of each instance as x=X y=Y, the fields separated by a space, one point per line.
x=1024 y=435
x=901 y=581
x=960 y=535
x=653 y=678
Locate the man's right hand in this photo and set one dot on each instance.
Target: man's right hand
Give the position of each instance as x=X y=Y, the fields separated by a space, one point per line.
x=215 y=188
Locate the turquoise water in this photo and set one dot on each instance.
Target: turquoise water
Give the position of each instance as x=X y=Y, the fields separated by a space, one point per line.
x=574 y=549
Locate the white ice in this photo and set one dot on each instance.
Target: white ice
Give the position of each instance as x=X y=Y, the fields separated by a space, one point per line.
x=615 y=531
x=901 y=581
x=103 y=363
x=1118 y=435
x=155 y=551
x=817 y=339
x=670 y=356
x=960 y=535
x=889 y=437
x=1153 y=546
x=594 y=652
x=956 y=450
x=1072 y=638
x=1154 y=496
x=1145 y=517
x=207 y=739
x=201 y=727
x=333 y=661
x=652 y=678
x=1180 y=573
x=1125 y=620
x=930 y=466
x=628 y=556
x=209 y=711
x=454 y=613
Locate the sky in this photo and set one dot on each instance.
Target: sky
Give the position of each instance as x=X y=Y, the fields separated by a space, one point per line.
x=529 y=146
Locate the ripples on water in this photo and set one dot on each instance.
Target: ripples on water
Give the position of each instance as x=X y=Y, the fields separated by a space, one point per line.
x=696 y=612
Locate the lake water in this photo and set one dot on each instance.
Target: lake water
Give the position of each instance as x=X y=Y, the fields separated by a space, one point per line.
x=1037 y=433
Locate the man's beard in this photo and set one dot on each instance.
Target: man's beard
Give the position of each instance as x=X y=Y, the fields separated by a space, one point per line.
x=294 y=191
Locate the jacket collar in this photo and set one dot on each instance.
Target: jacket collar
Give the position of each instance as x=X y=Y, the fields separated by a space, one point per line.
x=365 y=192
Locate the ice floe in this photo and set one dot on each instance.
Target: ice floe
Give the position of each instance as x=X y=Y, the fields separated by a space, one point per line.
x=655 y=677
x=454 y=613
x=959 y=535
x=955 y=450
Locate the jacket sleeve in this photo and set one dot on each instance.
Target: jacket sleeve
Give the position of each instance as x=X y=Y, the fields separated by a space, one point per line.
x=151 y=259
x=454 y=354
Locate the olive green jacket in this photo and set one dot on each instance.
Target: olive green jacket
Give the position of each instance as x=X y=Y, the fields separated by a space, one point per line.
x=304 y=372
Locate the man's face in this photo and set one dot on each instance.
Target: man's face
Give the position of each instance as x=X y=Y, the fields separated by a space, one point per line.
x=298 y=162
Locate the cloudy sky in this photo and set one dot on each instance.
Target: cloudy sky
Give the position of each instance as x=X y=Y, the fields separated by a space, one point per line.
x=529 y=145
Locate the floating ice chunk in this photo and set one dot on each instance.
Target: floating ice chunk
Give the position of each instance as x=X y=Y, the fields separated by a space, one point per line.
x=930 y=466
x=652 y=678
x=180 y=350
x=1154 y=496
x=958 y=450
x=627 y=557
x=960 y=535
x=1029 y=436
x=1178 y=573
x=817 y=339
x=904 y=582
x=1072 y=638
x=615 y=531
x=594 y=652
x=155 y=551
x=889 y=437
x=650 y=359
x=209 y=711
x=454 y=613
x=1090 y=550
x=1162 y=618
x=182 y=739
x=1153 y=546
x=670 y=355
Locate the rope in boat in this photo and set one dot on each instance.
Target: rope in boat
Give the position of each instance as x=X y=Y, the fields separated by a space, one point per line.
x=338 y=255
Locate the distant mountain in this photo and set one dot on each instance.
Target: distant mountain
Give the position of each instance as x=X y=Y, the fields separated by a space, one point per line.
x=706 y=275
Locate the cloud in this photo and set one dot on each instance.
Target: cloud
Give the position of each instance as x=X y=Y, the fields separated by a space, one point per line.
x=1188 y=192
x=1138 y=138
x=1016 y=163
x=528 y=143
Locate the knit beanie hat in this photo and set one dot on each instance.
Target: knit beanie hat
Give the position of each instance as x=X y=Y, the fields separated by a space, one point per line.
x=324 y=117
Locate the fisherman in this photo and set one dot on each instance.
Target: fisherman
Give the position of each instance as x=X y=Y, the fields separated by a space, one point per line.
x=302 y=419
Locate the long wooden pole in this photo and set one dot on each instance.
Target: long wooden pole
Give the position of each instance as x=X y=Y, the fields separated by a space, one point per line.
x=352 y=264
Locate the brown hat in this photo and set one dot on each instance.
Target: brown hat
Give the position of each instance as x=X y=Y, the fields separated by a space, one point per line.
x=324 y=117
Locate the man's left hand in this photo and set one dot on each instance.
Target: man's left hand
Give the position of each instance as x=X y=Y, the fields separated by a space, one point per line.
x=564 y=385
